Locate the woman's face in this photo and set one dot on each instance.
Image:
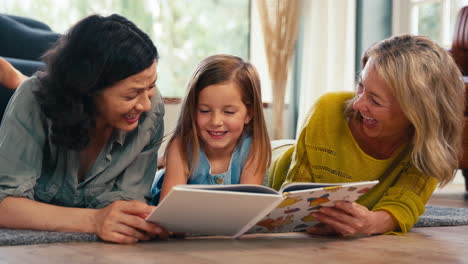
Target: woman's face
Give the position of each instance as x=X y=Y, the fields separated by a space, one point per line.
x=382 y=117
x=120 y=106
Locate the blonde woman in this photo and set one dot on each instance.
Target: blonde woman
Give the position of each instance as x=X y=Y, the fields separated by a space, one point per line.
x=402 y=127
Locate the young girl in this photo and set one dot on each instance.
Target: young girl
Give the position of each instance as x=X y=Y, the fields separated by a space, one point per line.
x=221 y=136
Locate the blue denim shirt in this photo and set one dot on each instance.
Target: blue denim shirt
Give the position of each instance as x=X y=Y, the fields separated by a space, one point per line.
x=31 y=166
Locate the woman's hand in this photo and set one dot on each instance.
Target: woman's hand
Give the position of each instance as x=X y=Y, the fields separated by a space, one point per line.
x=123 y=222
x=350 y=219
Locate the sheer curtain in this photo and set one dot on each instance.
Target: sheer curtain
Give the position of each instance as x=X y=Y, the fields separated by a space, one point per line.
x=327 y=51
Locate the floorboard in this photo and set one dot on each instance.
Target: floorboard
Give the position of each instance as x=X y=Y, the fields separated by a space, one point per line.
x=421 y=245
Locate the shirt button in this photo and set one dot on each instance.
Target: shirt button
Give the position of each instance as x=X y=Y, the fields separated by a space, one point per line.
x=219 y=180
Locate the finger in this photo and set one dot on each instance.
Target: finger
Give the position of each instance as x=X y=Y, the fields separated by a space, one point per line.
x=321 y=229
x=135 y=207
x=339 y=215
x=131 y=232
x=336 y=224
x=352 y=208
x=164 y=235
x=356 y=216
x=140 y=224
x=118 y=238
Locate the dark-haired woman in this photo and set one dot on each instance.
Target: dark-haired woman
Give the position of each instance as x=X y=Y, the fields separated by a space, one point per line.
x=79 y=141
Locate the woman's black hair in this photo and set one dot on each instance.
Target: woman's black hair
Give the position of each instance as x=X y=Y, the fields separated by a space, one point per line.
x=95 y=53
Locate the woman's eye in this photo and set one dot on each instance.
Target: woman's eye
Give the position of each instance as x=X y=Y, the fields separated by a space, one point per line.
x=203 y=111
x=229 y=112
x=130 y=97
x=360 y=88
x=375 y=102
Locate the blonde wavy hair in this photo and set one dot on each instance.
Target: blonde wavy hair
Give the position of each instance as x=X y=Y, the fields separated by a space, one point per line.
x=430 y=89
x=219 y=69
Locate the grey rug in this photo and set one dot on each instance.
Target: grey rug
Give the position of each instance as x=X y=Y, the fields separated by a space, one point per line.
x=434 y=216
x=443 y=216
x=29 y=237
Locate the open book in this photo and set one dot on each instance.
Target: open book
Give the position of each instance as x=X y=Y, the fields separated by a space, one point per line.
x=243 y=208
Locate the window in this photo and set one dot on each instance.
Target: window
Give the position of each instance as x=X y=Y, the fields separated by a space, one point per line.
x=184 y=31
x=432 y=18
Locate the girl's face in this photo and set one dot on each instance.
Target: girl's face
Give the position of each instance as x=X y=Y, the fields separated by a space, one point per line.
x=120 y=106
x=221 y=117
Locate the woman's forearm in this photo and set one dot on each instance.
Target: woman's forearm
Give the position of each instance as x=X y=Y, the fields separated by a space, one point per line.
x=385 y=222
x=23 y=213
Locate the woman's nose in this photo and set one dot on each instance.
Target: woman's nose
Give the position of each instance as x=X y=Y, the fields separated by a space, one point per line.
x=144 y=104
x=360 y=104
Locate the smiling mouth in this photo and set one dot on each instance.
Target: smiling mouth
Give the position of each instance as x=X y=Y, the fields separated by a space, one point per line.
x=217 y=133
x=129 y=116
x=368 y=118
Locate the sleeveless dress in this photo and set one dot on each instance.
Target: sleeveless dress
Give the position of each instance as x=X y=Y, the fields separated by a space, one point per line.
x=202 y=174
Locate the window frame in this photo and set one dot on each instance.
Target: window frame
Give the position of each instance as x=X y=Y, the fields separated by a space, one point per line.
x=405 y=18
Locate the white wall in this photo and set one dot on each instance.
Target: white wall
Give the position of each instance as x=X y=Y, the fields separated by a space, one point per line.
x=170 y=122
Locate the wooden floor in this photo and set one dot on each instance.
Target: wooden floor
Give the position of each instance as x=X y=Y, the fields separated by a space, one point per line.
x=421 y=245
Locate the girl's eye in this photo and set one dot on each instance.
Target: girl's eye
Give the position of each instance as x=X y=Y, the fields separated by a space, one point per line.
x=229 y=112
x=203 y=111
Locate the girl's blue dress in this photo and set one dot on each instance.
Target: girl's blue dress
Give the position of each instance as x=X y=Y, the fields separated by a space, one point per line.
x=202 y=173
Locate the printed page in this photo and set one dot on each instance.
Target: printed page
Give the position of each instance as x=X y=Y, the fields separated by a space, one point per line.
x=248 y=188
x=294 y=213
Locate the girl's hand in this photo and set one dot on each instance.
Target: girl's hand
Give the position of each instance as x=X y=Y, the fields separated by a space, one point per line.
x=123 y=222
x=350 y=219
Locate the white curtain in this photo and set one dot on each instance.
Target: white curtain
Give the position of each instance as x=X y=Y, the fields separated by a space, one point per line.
x=328 y=51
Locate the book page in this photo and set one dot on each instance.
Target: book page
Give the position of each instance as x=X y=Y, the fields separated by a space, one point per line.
x=294 y=213
x=248 y=188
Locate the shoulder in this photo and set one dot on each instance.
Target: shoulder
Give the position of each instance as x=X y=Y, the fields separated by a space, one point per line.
x=23 y=102
x=244 y=144
x=246 y=140
x=25 y=92
x=328 y=106
x=175 y=144
x=333 y=99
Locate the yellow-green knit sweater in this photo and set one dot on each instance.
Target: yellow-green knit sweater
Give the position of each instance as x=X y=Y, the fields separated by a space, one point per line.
x=326 y=151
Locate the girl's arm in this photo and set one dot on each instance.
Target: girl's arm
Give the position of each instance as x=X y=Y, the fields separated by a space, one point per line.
x=176 y=170
x=119 y=222
x=249 y=174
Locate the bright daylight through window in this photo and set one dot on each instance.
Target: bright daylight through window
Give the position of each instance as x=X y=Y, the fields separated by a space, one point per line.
x=184 y=31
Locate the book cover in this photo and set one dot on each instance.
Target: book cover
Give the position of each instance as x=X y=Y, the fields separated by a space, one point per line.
x=294 y=213
x=232 y=210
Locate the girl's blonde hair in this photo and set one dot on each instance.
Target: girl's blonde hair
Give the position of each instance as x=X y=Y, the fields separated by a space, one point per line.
x=219 y=69
x=430 y=90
